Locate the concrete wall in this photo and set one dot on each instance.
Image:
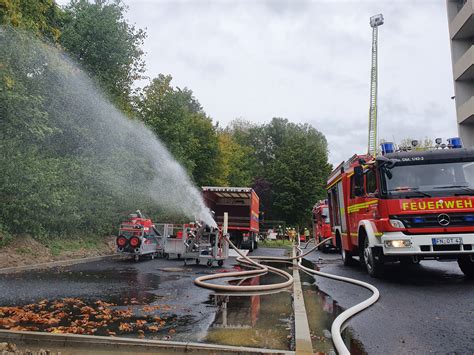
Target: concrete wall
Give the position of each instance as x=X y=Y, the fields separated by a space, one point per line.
x=461 y=32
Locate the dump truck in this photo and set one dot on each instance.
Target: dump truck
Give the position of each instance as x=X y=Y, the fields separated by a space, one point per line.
x=242 y=205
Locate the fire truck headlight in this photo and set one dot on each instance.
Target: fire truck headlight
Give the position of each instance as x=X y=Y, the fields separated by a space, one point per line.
x=395 y=223
x=402 y=243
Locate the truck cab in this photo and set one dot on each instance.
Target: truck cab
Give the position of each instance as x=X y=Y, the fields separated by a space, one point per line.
x=405 y=206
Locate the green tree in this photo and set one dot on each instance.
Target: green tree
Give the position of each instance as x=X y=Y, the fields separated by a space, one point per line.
x=290 y=166
x=42 y=17
x=108 y=47
x=235 y=162
x=178 y=119
x=298 y=172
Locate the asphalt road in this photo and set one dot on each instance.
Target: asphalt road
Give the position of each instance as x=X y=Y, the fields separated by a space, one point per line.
x=423 y=309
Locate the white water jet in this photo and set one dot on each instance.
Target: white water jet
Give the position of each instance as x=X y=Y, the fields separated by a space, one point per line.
x=92 y=129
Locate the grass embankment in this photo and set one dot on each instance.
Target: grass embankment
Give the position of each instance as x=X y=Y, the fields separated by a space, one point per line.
x=279 y=243
x=26 y=250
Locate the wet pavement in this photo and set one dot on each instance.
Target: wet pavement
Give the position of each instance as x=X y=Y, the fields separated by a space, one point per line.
x=153 y=299
x=423 y=309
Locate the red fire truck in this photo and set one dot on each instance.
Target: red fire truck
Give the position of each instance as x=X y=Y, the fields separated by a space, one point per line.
x=322 y=226
x=242 y=205
x=405 y=206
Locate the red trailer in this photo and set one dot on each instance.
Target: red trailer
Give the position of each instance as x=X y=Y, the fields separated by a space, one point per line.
x=242 y=205
x=138 y=236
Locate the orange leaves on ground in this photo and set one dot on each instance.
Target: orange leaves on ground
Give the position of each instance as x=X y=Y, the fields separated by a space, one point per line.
x=151 y=308
x=103 y=304
x=153 y=328
x=134 y=301
x=125 y=327
x=140 y=323
x=72 y=315
x=88 y=310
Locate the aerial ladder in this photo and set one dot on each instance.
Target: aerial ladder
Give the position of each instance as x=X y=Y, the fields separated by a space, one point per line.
x=375 y=22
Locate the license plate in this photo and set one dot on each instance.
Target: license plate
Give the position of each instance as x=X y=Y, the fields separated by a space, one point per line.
x=447 y=241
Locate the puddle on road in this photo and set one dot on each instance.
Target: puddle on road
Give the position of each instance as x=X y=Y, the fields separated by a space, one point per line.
x=263 y=321
x=166 y=305
x=322 y=310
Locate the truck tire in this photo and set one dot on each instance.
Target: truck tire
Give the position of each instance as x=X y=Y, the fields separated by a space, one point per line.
x=251 y=246
x=375 y=268
x=321 y=246
x=347 y=258
x=466 y=265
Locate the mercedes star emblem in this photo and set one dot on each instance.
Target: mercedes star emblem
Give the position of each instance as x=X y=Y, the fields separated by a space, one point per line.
x=444 y=220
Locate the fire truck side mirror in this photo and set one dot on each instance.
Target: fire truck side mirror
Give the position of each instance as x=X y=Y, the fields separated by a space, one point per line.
x=359 y=181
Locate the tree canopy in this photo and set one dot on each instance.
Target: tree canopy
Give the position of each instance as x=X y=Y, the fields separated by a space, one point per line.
x=49 y=183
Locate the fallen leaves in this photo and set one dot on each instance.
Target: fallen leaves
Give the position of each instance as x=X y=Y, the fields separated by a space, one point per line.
x=75 y=316
x=125 y=327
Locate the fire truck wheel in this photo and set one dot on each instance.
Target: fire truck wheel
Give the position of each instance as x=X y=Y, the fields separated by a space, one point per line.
x=220 y=262
x=209 y=263
x=325 y=248
x=320 y=246
x=466 y=264
x=347 y=258
x=374 y=267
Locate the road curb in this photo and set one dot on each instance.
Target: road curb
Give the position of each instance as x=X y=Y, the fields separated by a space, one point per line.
x=302 y=335
x=51 y=264
x=124 y=345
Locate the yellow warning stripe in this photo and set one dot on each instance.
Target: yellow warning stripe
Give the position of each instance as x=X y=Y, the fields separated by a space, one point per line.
x=377 y=234
x=334 y=183
x=359 y=206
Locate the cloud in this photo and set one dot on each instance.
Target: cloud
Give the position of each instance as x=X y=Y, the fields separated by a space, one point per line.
x=308 y=61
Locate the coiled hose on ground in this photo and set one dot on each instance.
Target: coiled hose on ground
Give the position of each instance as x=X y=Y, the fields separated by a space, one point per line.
x=260 y=269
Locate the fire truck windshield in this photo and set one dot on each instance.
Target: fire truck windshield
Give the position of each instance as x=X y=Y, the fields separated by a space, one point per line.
x=431 y=179
x=325 y=215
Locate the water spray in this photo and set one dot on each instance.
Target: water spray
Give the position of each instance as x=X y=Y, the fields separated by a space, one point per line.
x=109 y=155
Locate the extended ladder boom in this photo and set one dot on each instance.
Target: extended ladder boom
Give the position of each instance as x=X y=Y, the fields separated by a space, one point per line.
x=375 y=21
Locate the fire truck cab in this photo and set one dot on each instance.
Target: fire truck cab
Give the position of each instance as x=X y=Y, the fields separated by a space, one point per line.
x=322 y=226
x=404 y=206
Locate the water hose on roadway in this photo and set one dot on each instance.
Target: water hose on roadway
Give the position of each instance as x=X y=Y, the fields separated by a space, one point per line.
x=260 y=269
x=348 y=313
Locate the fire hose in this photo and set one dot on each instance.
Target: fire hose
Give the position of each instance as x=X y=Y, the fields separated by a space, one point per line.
x=260 y=269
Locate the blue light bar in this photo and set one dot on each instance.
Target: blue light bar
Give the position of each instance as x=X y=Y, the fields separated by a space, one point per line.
x=387 y=147
x=455 y=142
x=469 y=218
x=418 y=220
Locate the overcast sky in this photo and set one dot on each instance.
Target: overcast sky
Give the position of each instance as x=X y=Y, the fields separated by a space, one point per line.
x=308 y=61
